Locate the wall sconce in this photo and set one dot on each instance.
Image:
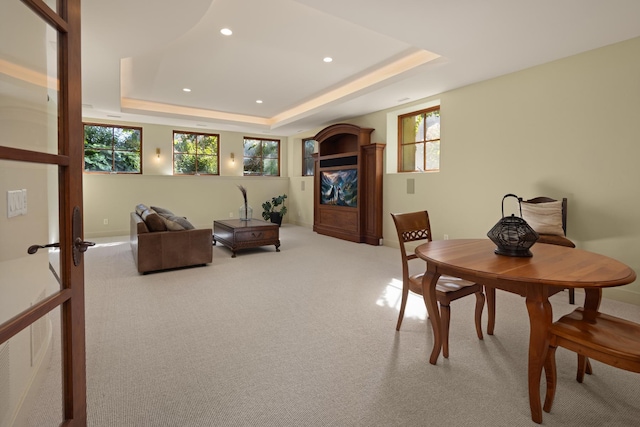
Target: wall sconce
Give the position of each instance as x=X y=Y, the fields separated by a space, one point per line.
x=158 y=152
x=233 y=158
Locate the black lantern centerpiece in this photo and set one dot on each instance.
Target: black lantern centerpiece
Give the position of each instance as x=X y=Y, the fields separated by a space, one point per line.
x=512 y=235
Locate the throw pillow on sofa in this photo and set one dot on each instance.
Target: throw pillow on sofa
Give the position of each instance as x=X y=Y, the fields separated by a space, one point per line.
x=172 y=221
x=177 y=223
x=140 y=209
x=162 y=211
x=153 y=220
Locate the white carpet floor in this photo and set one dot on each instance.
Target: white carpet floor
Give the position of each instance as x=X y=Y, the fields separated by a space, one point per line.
x=306 y=337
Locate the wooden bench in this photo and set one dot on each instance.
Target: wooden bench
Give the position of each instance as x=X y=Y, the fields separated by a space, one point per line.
x=595 y=335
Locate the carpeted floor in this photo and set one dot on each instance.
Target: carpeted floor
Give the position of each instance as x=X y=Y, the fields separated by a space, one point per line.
x=306 y=337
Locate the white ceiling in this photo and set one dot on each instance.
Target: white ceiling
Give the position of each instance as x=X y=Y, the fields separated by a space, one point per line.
x=138 y=55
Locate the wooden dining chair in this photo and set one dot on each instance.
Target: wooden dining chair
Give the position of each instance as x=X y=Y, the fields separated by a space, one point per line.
x=415 y=227
x=553 y=234
x=558 y=237
x=591 y=334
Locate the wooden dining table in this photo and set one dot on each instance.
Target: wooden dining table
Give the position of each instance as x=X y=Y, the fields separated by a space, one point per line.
x=534 y=278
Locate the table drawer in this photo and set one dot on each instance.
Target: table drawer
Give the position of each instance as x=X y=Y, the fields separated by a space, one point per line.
x=255 y=235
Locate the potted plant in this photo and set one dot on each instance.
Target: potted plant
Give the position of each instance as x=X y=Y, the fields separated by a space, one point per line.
x=274 y=210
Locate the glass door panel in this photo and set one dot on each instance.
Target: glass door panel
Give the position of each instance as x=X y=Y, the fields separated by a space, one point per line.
x=29 y=84
x=29 y=217
x=48 y=409
x=26 y=280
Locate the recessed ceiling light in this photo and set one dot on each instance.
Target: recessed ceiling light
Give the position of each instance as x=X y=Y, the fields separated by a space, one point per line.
x=328 y=59
x=186 y=89
x=258 y=101
x=226 y=32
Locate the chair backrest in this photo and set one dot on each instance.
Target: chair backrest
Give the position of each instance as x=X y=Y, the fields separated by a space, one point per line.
x=411 y=227
x=543 y=199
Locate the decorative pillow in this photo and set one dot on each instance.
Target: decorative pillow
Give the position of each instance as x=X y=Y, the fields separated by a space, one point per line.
x=545 y=218
x=162 y=211
x=140 y=209
x=176 y=223
x=153 y=220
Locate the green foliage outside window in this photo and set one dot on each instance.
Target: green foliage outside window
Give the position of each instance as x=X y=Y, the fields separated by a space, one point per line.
x=195 y=154
x=419 y=141
x=112 y=149
x=261 y=157
x=308 y=145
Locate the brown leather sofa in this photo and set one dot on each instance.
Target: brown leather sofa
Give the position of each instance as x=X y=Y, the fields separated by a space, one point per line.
x=162 y=250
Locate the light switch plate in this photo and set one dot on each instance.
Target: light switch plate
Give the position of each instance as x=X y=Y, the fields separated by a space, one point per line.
x=23 y=211
x=13 y=203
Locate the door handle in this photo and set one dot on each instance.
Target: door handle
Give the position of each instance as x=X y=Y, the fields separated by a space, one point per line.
x=79 y=246
x=82 y=245
x=34 y=248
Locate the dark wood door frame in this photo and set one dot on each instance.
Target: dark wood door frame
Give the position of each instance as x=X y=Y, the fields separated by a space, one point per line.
x=69 y=159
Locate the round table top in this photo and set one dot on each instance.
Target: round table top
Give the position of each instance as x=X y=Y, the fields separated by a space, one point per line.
x=550 y=264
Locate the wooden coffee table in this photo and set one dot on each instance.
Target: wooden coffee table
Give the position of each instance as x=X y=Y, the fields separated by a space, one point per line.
x=237 y=234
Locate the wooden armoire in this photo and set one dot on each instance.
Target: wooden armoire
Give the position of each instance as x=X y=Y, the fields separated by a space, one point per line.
x=348 y=184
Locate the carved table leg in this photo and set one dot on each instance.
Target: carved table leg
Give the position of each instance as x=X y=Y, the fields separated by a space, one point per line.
x=540 y=316
x=491 y=308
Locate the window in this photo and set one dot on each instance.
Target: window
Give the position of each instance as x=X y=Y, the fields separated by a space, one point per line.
x=196 y=153
x=112 y=149
x=419 y=141
x=308 y=146
x=261 y=156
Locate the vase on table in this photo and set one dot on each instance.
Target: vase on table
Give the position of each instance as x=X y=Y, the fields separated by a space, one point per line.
x=245 y=213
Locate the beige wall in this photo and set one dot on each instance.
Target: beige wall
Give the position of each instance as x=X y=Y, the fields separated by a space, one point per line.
x=198 y=198
x=300 y=204
x=564 y=129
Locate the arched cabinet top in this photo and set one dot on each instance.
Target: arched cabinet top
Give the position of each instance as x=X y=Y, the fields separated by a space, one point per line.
x=342 y=139
x=342 y=129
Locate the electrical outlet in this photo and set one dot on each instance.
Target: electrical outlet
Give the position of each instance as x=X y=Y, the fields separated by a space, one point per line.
x=230 y=214
x=105 y=221
x=446 y=237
